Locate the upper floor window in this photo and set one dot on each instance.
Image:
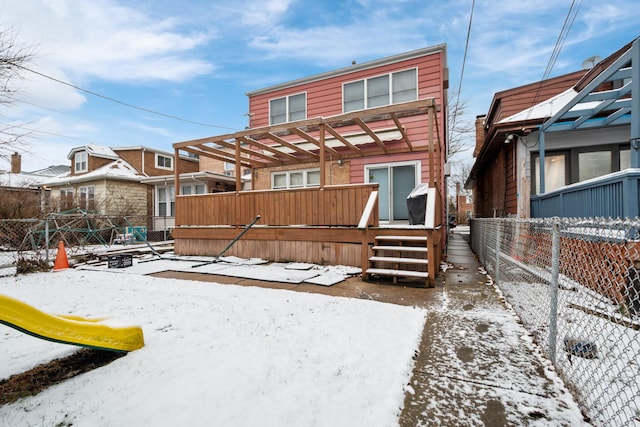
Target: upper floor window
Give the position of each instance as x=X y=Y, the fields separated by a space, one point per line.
x=80 y=161
x=288 y=109
x=401 y=86
x=295 y=179
x=164 y=162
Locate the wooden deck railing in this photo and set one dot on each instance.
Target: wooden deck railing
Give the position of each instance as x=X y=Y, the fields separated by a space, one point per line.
x=340 y=205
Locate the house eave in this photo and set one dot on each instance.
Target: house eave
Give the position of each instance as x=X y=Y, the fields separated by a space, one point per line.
x=203 y=175
x=353 y=68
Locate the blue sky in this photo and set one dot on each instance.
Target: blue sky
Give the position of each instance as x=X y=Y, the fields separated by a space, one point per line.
x=196 y=59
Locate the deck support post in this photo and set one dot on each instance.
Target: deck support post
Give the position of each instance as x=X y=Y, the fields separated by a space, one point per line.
x=176 y=168
x=365 y=254
x=238 y=171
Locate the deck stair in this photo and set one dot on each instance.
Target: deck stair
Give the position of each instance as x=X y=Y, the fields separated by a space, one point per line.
x=399 y=257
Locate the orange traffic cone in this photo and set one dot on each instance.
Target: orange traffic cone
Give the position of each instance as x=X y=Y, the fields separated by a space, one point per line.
x=61 y=258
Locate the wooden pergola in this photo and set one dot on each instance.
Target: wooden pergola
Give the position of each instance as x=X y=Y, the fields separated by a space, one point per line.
x=345 y=136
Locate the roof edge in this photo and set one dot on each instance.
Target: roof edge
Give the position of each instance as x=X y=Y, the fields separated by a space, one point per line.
x=352 y=68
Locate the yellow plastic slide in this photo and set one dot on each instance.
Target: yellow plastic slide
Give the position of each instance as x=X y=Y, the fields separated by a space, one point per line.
x=68 y=329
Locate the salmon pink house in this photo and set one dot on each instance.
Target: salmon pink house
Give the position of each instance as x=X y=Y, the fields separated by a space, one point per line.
x=331 y=159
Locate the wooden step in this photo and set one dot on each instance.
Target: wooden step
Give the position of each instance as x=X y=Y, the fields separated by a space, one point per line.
x=401 y=273
x=401 y=248
x=398 y=260
x=403 y=238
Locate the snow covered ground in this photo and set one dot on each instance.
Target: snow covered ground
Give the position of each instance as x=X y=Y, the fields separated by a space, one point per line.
x=216 y=355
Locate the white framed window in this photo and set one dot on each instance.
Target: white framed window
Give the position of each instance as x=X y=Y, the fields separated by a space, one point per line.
x=164 y=162
x=67 y=199
x=81 y=160
x=87 y=198
x=393 y=88
x=295 y=179
x=165 y=201
x=188 y=189
x=288 y=108
x=229 y=168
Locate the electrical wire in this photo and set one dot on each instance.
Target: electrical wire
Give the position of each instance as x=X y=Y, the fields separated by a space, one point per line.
x=464 y=60
x=566 y=27
x=126 y=104
x=52 y=134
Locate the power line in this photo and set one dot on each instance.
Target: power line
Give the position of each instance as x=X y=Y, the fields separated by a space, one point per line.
x=53 y=134
x=564 y=31
x=126 y=104
x=464 y=60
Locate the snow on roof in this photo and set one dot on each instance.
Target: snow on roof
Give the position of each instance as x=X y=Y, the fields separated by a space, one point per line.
x=543 y=109
x=95 y=150
x=54 y=170
x=22 y=180
x=118 y=169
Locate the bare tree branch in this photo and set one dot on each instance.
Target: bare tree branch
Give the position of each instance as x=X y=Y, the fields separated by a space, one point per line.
x=12 y=58
x=460 y=129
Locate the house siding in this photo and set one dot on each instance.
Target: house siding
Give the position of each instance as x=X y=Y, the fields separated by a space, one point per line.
x=126 y=198
x=511 y=181
x=144 y=161
x=502 y=174
x=324 y=97
x=334 y=173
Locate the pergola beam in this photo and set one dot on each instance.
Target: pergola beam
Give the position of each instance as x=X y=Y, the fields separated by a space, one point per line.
x=248 y=152
x=227 y=156
x=342 y=139
x=269 y=148
x=371 y=133
x=311 y=139
x=401 y=130
x=290 y=145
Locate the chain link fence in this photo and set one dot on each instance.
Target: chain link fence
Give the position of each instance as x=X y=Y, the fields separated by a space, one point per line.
x=81 y=232
x=575 y=284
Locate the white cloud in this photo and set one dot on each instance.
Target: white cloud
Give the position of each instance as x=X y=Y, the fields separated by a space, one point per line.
x=102 y=39
x=339 y=45
x=45 y=92
x=264 y=12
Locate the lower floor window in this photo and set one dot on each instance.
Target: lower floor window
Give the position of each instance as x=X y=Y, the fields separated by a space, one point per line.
x=295 y=179
x=87 y=198
x=67 y=199
x=578 y=164
x=186 y=189
x=166 y=201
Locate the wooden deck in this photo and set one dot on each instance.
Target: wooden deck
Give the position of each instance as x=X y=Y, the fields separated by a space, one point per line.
x=336 y=225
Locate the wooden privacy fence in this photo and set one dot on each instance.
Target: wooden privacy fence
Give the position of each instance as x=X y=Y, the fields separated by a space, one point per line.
x=340 y=205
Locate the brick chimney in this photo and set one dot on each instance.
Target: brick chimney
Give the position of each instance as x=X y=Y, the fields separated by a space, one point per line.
x=16 y=163
x=480 y=134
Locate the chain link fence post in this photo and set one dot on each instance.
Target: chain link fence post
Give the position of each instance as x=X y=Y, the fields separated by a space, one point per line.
x=496 y=272
x=555 y=271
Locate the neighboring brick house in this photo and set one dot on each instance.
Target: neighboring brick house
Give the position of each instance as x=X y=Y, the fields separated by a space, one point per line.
x=21 y=193
x=586 y=117
x=108 y=180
